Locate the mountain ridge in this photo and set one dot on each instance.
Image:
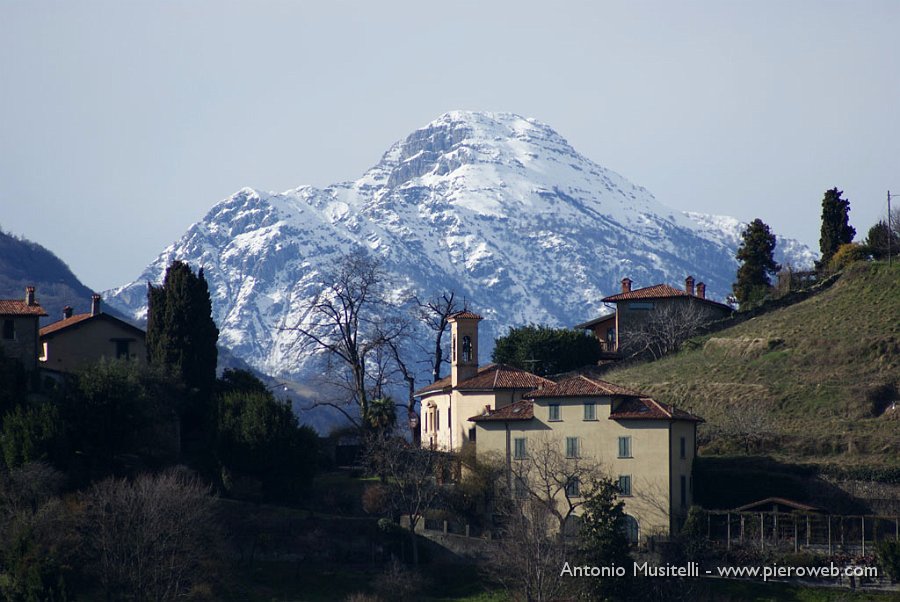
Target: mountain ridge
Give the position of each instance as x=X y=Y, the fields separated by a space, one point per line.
x=495 y=206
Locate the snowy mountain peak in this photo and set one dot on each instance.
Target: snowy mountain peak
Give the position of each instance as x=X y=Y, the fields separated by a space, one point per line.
x=494 y=206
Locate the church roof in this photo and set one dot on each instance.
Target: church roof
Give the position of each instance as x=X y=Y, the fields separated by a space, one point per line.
x=491 y=377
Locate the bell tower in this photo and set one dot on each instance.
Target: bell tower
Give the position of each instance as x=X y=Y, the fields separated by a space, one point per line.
x=463 y=346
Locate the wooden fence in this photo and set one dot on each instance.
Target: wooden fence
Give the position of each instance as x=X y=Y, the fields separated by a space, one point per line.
x=819 y=533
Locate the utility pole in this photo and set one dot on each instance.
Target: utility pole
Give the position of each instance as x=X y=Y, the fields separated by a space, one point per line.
x=890 y=227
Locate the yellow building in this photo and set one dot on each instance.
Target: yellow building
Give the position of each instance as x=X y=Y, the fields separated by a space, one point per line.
x=82 y=339
x=645 y=446
x=448 y=403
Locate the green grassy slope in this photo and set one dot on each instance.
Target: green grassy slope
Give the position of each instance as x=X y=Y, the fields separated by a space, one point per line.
x=815 y=376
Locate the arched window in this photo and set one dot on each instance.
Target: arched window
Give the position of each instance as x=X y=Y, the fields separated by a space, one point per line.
x=466 y=349
x=631 y=528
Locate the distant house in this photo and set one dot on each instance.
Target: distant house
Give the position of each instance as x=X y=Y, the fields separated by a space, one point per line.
x=81 y=339
x=636 y=307
x=20 y=324
x=448 y=403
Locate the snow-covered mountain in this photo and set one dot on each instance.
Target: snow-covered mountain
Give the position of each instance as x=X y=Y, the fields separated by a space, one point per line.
x=727 y=231
x=496 y=207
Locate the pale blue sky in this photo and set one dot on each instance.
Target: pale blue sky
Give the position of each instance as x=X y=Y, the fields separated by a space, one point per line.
x=122 y=122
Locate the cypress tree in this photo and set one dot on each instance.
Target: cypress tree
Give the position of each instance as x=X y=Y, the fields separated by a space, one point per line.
x=181 y=333
x=756 y=254
x=836 y=228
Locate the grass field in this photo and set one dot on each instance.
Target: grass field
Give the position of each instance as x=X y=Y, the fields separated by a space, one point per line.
x=816 y=377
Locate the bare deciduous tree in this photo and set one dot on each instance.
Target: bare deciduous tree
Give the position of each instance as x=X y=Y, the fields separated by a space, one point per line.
x=528 y=556
x=751 y=424
x=408 y=474
x=548 y=477
x=543 y=492
x=434 y=313
x=151 y=538
x=665 y=328
x=350 y=322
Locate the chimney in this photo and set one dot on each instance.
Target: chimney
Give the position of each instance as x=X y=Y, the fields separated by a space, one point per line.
x=67 y=312
x=626 y=285
x=689 y=285
x=29 y=295
x=701 y=290
x=95 y=304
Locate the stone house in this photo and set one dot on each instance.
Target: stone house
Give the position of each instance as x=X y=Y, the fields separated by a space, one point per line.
x=87 y=338
x=636 y=307
x=20 y=323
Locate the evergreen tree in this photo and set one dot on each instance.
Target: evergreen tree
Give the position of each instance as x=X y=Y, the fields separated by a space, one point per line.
x=544 y=350
x=181 y=340
x=757 y=263
x=181 y=333
x=602 y=541
x=880 y=238
x=836 y=228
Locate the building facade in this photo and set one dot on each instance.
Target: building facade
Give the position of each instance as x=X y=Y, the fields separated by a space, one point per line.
x=644 y=446
x=82 y=339
x=20 y=324
x=447 y=404
x=635 y=308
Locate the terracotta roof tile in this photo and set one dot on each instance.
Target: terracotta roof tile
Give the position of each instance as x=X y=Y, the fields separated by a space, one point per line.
x=780 y=501
x=466 y=315
x=81 y=318
x=51 y=328
x=657 y=291
x=581 y=386
x=521 y=410
x=14 y=307
x=645 y=408
x=491 y=377
x=500 y=376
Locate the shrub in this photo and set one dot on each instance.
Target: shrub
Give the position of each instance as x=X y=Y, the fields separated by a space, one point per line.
x=847 y=254
x=888 y=554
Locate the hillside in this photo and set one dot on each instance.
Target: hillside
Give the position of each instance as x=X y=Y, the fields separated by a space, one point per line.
x=817 y=377
x=24 y=263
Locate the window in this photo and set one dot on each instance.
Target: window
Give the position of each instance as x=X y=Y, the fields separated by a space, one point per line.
x=437 y=420
x=554 y=412
x=571 y=447
x=519 y=448
x=122 y=351
x=683 y=491
x=641 y=305
x=624 y=447
x=467 y=349
x=573 y=487
x=625 y=484
x=9 y=329
x=683 y=448
x=590 y=410
x=631 y=528
x=472 y=434
x=449 y=422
